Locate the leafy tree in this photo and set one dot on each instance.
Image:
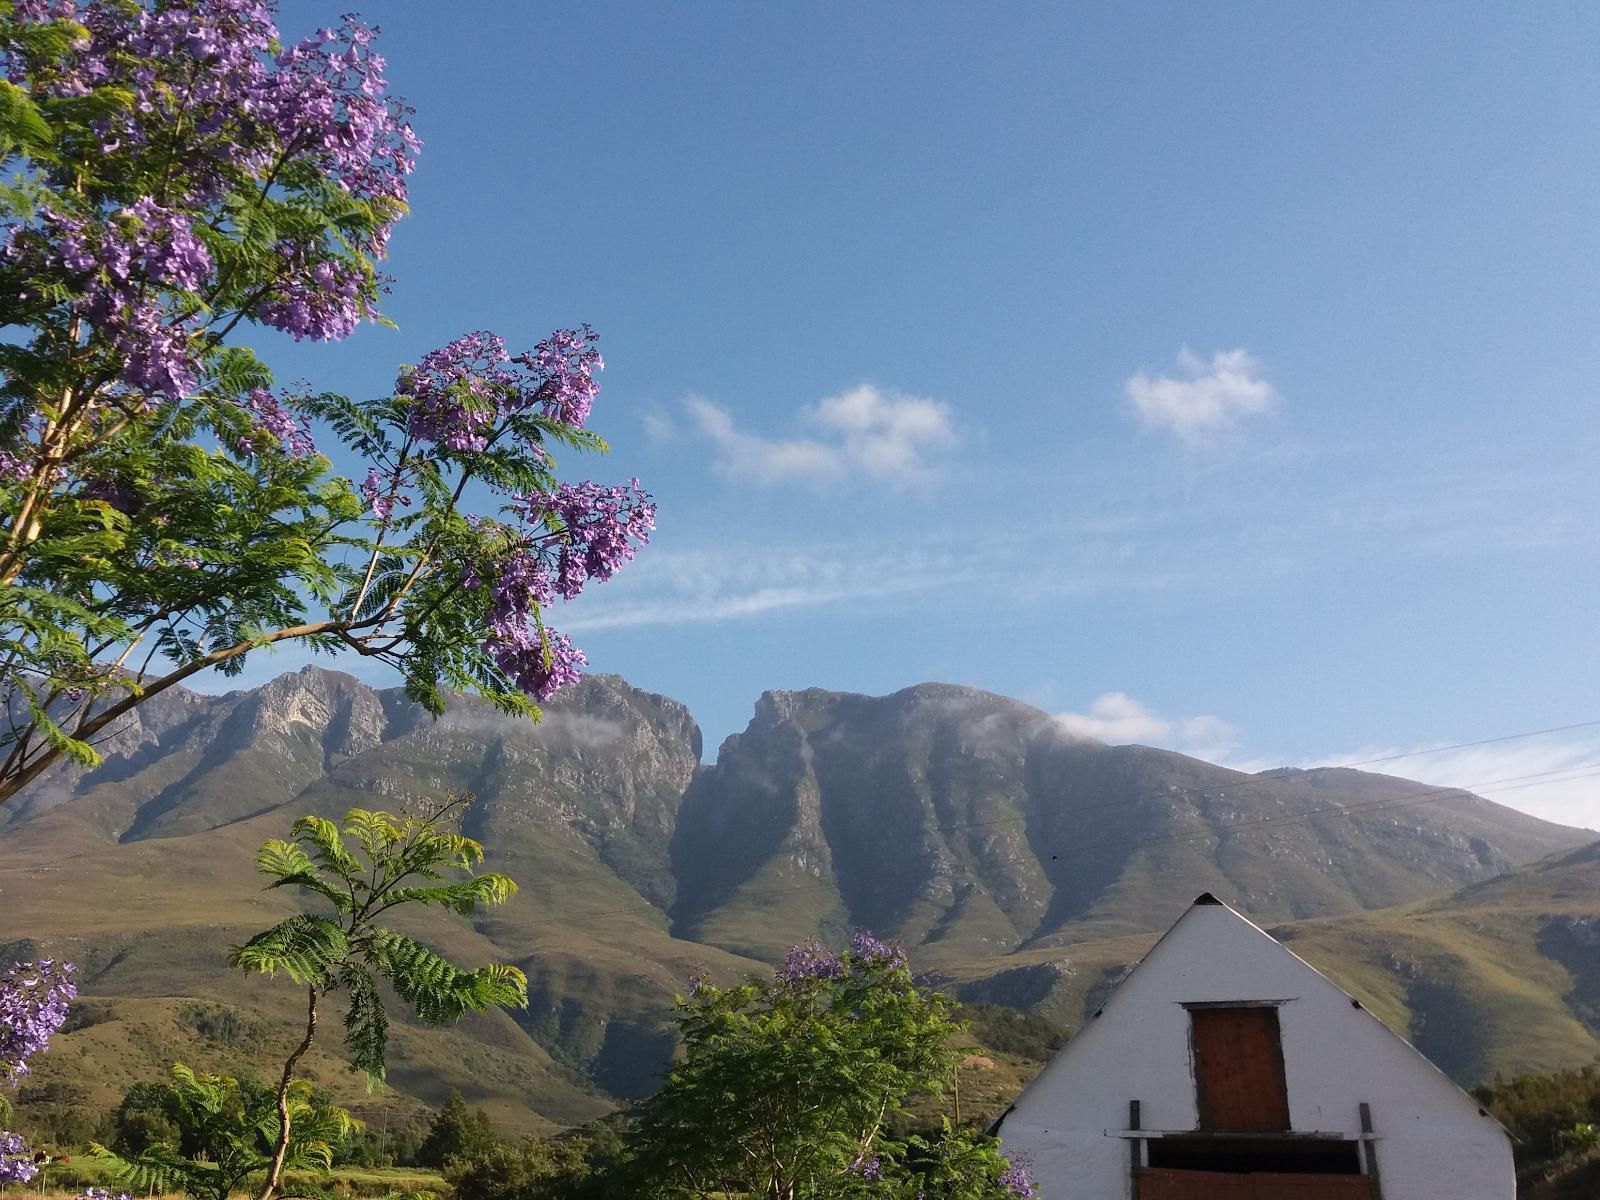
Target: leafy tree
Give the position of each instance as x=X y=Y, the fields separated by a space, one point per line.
x=585 y=1164
x=785 y=1085
x=145 y=1117
x=396 y=862
x=177 y=176
x=1008 y=1031
x=226 y=1132
x=456 y=1133
x=1539 y=1109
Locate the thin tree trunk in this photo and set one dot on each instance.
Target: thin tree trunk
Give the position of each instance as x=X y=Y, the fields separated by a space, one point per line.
x=275 y=1172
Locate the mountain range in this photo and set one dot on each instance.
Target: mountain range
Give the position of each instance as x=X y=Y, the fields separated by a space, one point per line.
x=1018 y=864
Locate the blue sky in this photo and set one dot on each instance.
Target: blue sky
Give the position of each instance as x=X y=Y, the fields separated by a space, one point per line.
x=1220 y=377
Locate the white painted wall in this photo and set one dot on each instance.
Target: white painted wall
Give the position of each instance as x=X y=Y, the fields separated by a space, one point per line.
x=1433 y=1142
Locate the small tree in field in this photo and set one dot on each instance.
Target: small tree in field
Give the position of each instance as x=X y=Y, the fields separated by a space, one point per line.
x=175 y=176
x=785 y=1086
x=394 y=862
x=225 y=1133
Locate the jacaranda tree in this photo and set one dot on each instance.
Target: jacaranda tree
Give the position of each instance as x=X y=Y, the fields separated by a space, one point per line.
x=174 y=176
x=396 y=862
x=786 y=1085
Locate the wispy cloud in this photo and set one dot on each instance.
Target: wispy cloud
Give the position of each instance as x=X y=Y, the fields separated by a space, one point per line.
x=1204 y=398
x=1156 y=537
x=731 y=582
x=867 y=431
x=1118 y=718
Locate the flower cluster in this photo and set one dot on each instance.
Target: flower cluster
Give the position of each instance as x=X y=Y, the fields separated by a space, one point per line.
x=462 y=392
x=118 y=268
x=539 y=665
x=597 y=528
x=864 y=949
x=220 y=114
x=870 y=1169
x=33 y=1005
x=565 y=364
x=380 y=491
x=324 y=302
x=16 y=1160
x=809 y=960
x=1017 y=1179
x=100 y=1193
x=323 y=99
x=289 y=430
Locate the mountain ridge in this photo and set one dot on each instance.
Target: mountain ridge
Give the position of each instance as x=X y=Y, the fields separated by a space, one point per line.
x=964 y=823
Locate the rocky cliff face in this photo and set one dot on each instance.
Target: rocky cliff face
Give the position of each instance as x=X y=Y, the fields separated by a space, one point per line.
x=970 y=824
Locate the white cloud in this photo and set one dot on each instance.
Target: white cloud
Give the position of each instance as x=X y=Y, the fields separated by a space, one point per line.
x=869 y=431
x=1205 y=398
x=1118 y=718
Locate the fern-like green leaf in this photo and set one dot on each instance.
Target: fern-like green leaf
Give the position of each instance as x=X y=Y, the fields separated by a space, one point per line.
x=366 y=1027
x=306 y=948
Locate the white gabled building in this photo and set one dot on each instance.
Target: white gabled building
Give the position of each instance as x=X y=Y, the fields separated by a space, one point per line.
x=1227 y=1068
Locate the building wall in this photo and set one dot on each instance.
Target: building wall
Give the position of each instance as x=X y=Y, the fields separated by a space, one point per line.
x=1433 y=1142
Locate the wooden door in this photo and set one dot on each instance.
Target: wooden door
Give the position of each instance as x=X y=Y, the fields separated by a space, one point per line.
x=1238 y=1069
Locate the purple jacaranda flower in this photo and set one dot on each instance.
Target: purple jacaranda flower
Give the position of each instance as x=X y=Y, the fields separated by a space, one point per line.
x=864 y=949
x=567 y=361
x=1017 y=1178
x=542 y=668
x=289 y=430
x=870 y=1169
x=254 y=116
x=809 y=960
x=596 y=529
x=462 y=392
x=33 y=1005
x=16 y=1160
x=380 y=494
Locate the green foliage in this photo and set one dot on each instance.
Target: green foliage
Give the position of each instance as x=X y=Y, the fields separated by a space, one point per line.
x=223 y=1025
x=207 y=1135
x=375 y=863
x=1546 y=1114
x=1007 y=1031
x=785 y=1086
x=390 y=862
x=588 y=1164
x=456 y=1134
x=957 y=1164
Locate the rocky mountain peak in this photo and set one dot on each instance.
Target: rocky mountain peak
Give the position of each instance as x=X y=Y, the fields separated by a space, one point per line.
x=338 y=710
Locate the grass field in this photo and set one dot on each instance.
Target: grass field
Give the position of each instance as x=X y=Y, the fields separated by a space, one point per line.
x=62 y=1180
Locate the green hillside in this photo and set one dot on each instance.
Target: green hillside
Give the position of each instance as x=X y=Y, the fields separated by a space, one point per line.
x=1022 y=867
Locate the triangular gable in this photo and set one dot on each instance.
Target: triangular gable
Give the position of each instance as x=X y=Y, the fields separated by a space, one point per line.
x=1219 y=925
